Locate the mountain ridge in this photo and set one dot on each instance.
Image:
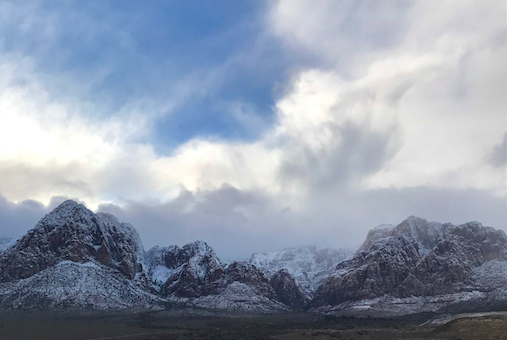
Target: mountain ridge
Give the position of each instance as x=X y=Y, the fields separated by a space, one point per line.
x=417 y=260
x=74 y=258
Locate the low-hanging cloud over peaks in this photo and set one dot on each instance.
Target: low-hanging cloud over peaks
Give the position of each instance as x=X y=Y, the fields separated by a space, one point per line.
x=237 y=223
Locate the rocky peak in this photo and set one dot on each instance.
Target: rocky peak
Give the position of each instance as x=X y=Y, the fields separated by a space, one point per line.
x=248 y=274
x=187 y=271
x=71 y=232
x=380 y=232
x=173 y=256
x=197 y=248
x=415 y=258
x=66 y=213
x=423 y=232
x=199 y=276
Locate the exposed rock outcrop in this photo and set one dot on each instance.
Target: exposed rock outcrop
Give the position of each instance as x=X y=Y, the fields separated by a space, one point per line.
x=417 y=258
x=199 y=275
x=74 y=258
x=288 y=291
x=195 y=272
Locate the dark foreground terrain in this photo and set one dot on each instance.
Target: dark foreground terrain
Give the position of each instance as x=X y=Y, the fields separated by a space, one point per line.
x=186 y=324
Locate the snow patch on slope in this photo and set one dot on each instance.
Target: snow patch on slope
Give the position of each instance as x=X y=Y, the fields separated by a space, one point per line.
x=388 y=306
x=7 y=242
x=310 y=266
x=75 y=285
x=239 y=296
x=492 y=274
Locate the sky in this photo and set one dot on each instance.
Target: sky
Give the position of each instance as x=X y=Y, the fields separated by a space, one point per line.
x=254 y=125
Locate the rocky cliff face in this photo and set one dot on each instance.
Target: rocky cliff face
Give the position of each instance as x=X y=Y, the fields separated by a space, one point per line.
x=195 y=271
x=194 y=258
x=77 y=259
x=417 y=258
x=288 y=290
x=73 y=233
x=74 y=258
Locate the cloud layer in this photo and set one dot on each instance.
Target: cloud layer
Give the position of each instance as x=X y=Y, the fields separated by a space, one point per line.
x=391 y=109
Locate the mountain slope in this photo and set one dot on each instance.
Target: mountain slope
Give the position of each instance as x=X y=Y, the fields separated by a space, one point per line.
x=77 y=286
x=78 y=259
x=73 y=233
x=163 y=262
x=195 y=275
x=415 y=259
x=310 y=266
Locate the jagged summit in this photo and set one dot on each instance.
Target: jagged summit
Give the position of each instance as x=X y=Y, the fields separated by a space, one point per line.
x=384 y=226
x=199 y=247
x=68 y=212
x=163 y=261
x=425 y=233
x=78 y=259
x=195 y=274
x=69 y=205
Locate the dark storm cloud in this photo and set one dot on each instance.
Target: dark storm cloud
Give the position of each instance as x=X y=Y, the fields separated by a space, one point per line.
x=232 y=221
x=16 y=219
x=498 y=156
x=236 y=223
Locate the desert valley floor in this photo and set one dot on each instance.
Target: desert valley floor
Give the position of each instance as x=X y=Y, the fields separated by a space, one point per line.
x=191 y=324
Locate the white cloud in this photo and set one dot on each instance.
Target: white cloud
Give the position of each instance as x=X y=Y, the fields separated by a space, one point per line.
x=440 y=76
x=407 y=96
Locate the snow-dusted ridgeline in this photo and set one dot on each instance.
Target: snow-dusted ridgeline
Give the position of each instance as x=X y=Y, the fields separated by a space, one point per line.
x=76 y=259
x=420 y=266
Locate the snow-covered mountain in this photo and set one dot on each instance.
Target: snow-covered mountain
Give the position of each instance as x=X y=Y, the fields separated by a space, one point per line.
x=193 y=274
x=71 y=232
x=163 y=262
x=420 y=266
x=310 y=265
x=77 y=286
x=74 y=258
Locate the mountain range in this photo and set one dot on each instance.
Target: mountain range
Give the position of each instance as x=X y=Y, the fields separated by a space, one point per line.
x=76 y=259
